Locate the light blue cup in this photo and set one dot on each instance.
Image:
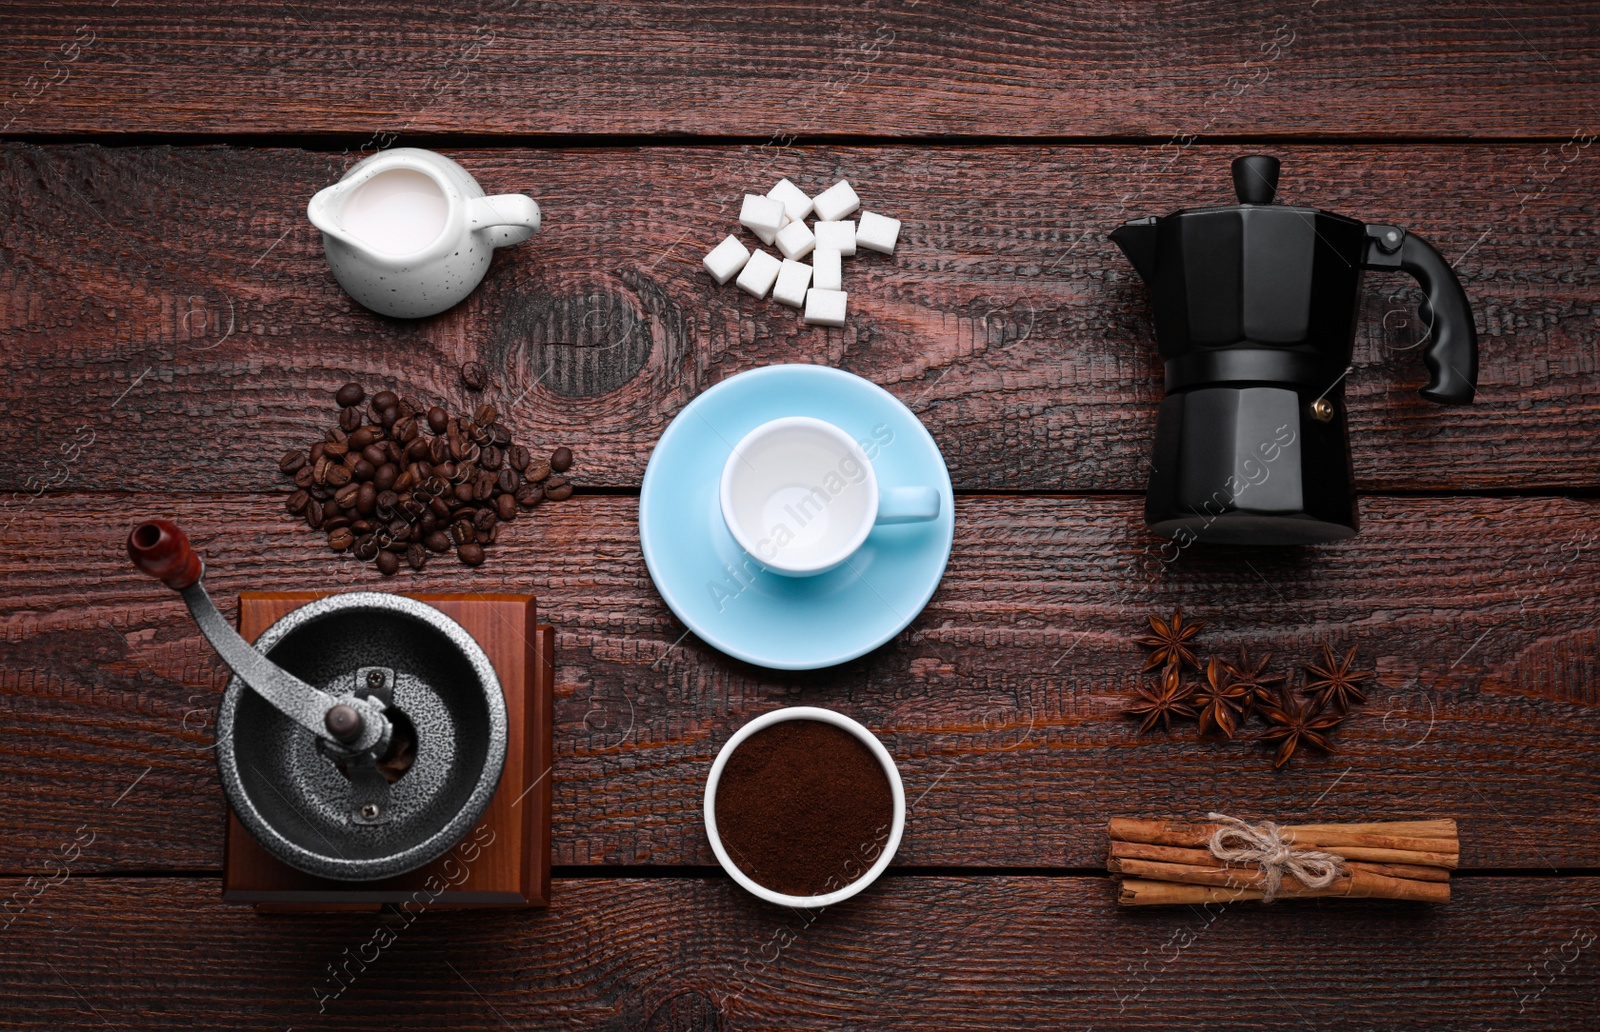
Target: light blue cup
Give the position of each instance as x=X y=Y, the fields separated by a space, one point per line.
x=800 y=496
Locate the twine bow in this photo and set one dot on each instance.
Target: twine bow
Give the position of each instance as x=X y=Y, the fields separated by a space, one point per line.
x=1265 y=844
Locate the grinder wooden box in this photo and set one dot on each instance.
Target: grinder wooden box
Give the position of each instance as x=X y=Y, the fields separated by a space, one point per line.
x=505 y=860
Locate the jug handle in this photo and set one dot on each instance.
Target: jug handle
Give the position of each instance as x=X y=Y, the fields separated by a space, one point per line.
x=1451 y=349
x=511 y=218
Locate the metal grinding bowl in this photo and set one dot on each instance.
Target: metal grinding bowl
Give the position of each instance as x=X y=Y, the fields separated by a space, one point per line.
x=361 y=737
x=296 y=802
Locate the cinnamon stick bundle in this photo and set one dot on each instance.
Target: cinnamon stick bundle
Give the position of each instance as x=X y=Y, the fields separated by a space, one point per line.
x=1170 y=862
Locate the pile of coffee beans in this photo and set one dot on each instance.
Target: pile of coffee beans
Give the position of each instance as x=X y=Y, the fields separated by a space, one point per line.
x=398 y=480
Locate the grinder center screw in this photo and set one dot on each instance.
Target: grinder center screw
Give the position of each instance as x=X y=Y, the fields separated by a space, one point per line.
x=370 y=811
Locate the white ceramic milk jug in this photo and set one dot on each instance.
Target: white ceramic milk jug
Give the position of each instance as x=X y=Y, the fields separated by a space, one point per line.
x=409 y=233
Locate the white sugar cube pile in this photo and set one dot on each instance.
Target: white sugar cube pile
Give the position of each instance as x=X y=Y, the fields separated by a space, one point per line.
x=779 y=219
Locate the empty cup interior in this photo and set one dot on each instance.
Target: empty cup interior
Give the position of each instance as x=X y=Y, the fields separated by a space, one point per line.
x=799 y=493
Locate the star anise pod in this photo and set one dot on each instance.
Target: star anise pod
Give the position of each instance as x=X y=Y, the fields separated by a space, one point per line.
x=1221 y=700
x=1296 y=722
x=1171 y=641
x=1260 y=685
x=1334 y=683
x=1162 y=699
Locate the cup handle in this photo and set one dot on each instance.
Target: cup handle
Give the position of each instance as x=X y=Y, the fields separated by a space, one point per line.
x=907 y=505
x=513 y=217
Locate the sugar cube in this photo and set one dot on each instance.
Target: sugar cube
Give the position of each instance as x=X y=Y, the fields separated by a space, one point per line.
x=795 y=202
x=827 y=271
x=726 y=259
x=825 y=307
x=762 y=216
x=796 y=240
x=759 y=273
x=877 y=232
x=793 y=278
x=836 y=202
x=838 y=236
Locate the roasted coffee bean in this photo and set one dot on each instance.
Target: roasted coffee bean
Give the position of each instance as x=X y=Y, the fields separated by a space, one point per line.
x=518 y=457
x=404 y=481
x=474 y=376
x=340 y=538
x=388 y=563
x=373 y=412
x=349 y=394
x=359 y=439
x=319 y=469
x=361 y=526
x=488 y=536
x=366 y=499
x=536 y=472
x=318 y=450
x=507 y=481
x=458 y=446
x=483 y=519
x=363 y=470
x=405 y=431
x=479 y=435
x=529 y=495
x=304 y=476
x=383 y=478
x=557 y=489
x=338 y=476
x=506 y=506
x=561 y=460
x=400 y=527
x=412 y=509
x=321 y=494
x=291 y=462
x=388 y=417
x=439 y=450
x=491 y=458
x=349 y=419
x=314 y=514
x=417 y=556
x=463 y=532
x=463 y=493
x=471 y=554
x=333 y=523
x=345 y=497
x=415 y=450
x=438 y=419
x=366 y=547
x=500 y=435
x=296 y=502
x=375 y=455
x=441 y=509
x=484 y=487
x=437 y=541
x=336 y=449
x=428 y=521
x=334 y=435
x=386 y=399
x=445 y=471
x=438 y=485
x=485 y=413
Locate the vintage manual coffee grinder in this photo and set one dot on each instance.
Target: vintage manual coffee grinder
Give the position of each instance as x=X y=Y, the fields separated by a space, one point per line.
x=1255 y=315
x=365 y=736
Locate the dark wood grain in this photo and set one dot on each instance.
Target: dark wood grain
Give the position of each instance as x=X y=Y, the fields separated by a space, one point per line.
x=909 y=953
x=881 y=67
x=175 y=305
x=1002 y=702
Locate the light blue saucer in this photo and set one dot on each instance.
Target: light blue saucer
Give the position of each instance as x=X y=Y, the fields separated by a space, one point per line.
x=723 y=594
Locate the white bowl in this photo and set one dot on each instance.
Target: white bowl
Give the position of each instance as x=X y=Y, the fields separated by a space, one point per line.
x=826 y=716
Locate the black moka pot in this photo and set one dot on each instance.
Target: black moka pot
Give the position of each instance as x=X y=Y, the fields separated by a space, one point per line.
x=1255 y=316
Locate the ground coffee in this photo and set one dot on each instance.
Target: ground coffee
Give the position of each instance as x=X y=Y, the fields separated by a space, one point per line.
x=804 y=807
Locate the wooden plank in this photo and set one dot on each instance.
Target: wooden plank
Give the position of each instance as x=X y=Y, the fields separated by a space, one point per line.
x=909 y=953
x=1002 y=702
x=175 y=305
x=883 y=67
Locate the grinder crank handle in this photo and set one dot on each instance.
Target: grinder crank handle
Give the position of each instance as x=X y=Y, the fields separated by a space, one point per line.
x=162 y=550
x=1451 y=351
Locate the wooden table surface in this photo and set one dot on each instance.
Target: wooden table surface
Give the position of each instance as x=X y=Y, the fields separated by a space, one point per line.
x=168 y=327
